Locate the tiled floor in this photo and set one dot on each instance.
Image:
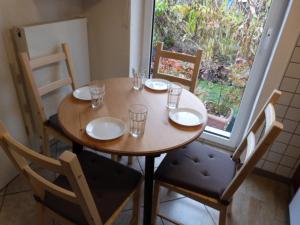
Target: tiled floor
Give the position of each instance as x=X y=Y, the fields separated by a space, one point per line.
x=259 y=201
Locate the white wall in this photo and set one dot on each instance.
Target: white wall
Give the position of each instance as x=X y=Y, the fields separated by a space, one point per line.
x=136 y=33
x=282 y=53
x=18 y=13
x=109 y=37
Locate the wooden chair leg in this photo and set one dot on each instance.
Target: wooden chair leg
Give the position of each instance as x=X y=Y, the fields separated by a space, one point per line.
x=130 y=159
x=136 y=207
x=229 y=209
x=40 y=214
x=46 y=149
x=114 y=157
x=155 y=208
x=223 y=216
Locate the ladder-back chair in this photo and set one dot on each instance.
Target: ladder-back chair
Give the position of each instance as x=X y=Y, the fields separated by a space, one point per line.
x=210 y=176
x=194 y=60
x=50 y=125
x=89 y=189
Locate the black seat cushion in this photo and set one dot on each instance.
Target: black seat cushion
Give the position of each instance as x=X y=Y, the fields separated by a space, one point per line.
x=54 y=123
x=198 y=168
x=110 y=184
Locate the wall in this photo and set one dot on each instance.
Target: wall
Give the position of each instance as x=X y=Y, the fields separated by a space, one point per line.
x=284 y=155
x=17 y=13
x=109 y=37
x=136 y=34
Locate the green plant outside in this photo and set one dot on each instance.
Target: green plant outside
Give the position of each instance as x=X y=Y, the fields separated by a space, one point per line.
x=228 y=31
x=210 y=93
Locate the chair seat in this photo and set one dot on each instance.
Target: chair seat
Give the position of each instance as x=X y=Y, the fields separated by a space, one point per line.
x=198 y=168
x=110 y=184
x=54 y=123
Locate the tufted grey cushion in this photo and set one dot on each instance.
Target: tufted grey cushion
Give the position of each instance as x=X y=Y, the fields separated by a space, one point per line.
x=199 y=168
x=110 y=184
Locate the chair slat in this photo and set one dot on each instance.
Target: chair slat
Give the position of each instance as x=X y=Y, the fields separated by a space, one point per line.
x=270 y=116
x=69 y=62
x=35 y=157
x=47 y=60
x=257 y=123
x=249 y=165
x=53 y=86
x=193 y=59
x=250 y=145
x=174 y=79
x=178 y=56
x=42 y=185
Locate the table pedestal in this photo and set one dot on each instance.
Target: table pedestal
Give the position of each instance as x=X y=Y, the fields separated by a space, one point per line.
x=77 y=148
x=148 y=191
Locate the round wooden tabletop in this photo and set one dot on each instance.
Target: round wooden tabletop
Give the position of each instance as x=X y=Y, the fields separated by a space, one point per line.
x=161 y=134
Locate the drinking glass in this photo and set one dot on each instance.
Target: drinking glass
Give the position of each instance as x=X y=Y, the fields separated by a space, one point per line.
x=97 y=91
x=137 y=119
x=138 y=79
x=174 y=93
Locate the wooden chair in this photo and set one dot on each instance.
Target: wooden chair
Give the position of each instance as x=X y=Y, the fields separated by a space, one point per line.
x=90 y=189
x=210 y=176
x=195 y=60
x=50 y=125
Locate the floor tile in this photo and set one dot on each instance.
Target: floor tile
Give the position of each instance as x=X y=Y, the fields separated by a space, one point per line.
x=135 y=163
x=272 y=194
x=18 y=209
x=158 y=160
x=213 y=213
x=165 y=196
x=185 y=211
x=125 y=217
x=19 y=184
x=124 y=160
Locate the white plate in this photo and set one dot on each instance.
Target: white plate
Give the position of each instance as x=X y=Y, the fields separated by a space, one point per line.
x=82 y=93
x=105 y=128
x=157 y=84
x=186 y=117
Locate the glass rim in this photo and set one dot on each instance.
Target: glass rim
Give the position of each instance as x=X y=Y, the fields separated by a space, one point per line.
x=141 y=108
x=175 y=85
x=97 y=83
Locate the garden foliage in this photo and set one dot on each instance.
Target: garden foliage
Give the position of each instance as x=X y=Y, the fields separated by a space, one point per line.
x=228 y=31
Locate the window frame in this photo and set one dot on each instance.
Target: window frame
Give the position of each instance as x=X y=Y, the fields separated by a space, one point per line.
x=258 y=73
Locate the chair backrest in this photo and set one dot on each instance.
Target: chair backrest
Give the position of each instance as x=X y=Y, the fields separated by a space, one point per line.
x=29 y=65
x=67 y=165
x=260 y=136
x=194 y=60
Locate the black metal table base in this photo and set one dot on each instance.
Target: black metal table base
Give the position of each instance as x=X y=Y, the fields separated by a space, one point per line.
x=77 y=148
x=148 y=192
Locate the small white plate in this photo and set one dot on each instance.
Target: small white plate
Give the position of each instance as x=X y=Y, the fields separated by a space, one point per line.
x=82 y=93
x=186 y=117
x=157 y=84
x=105 y=128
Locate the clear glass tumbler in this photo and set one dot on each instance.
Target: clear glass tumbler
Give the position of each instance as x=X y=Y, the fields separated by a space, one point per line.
x=174 y=93
x=138 y=79
x=97 y=91
x=137 y=119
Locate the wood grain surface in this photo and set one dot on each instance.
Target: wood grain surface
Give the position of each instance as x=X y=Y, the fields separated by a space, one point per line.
x=161 y=134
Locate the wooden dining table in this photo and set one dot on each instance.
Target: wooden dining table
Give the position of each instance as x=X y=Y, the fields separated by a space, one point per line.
x=161 y=134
